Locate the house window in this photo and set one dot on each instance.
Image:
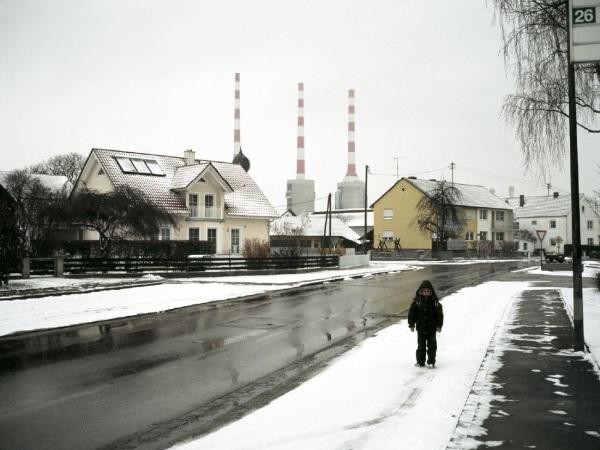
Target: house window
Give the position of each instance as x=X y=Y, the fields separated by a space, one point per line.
x=534 y=222
x=211 y=237
x=387 y=236
x=209 y=206
x=388 y=213
x=469 y=236
x=590 y=224
x=194 y=234
x=500 y=216
x=583 y=209
x=141 y=166
x=193 y=205
x=553 y=242
x=524 y=245
x=235 y=241
x=499 y=236
x=164 y=234
x=590 y=241
x=483 y=214
x=553 y=224
x=483 y=235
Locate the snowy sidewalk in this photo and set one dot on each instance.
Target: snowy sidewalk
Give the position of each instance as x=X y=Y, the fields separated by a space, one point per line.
x=533 y=391
x=506 y=376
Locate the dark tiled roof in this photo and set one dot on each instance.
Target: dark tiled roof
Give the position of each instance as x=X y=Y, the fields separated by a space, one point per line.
x=246 y=200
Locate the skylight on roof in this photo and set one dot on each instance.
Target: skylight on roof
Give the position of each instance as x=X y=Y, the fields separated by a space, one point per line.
x=140 y=166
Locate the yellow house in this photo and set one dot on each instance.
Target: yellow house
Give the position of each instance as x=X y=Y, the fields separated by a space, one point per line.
x=487 y=219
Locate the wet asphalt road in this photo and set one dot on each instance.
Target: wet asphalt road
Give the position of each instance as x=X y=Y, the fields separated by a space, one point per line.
x=151 y=381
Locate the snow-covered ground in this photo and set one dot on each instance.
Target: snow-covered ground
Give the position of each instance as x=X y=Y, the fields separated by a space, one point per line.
x=373 y=397
x=65 y=310
x=590 y=269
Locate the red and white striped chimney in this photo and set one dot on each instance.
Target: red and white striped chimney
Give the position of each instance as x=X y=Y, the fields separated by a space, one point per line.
x=236 y=117
x=351 y=171
x=300 y=142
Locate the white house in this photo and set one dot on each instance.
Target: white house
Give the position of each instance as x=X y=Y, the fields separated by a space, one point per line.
x=553 y=215
x=212 y=200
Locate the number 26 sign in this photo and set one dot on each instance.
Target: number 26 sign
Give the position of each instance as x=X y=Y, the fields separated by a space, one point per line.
x=584 y=15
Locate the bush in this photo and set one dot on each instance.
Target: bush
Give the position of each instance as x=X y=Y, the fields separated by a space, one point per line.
x=256 y=248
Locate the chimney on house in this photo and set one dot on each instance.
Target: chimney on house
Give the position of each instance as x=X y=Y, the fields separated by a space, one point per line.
x=190 y=157
x=351 y=169
x=236 y=118
x=555 y=195
x=521 y=200
x=511 y=191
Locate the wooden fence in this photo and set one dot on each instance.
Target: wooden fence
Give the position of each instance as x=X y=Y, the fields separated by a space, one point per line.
x=48 y=266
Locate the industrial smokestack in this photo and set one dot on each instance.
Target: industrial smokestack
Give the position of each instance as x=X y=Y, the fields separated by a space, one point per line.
x=351 y=171
x=300 y=142
x=236 y=117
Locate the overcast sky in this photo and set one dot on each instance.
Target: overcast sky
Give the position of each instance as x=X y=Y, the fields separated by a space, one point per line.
x=158 y=76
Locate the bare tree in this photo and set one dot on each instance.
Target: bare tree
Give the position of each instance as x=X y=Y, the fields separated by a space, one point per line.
x=534 y=36
x=36 y=208
x=125 y=212
x=437 y=213
x=68 y=165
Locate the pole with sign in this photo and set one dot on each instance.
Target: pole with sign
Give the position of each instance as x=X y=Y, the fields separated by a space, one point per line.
x=541 y=234
x=584 y=47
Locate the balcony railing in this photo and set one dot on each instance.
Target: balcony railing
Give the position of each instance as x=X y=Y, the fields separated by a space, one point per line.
x=206 y=212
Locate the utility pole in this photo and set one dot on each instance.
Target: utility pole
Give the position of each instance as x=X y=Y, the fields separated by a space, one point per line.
x=578 y=343
x=365 y=228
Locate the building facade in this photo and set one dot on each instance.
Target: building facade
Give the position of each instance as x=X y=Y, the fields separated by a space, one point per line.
x=211 y=200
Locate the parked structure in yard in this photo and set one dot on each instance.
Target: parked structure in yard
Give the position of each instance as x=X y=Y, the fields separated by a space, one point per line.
x=486 y=223
x=553 y=214
x=212 y=200
x=300 y=192
x=351 y=190
x=304 y=234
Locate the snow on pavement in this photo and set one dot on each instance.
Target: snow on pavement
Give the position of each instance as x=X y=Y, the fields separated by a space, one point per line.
x=590 y=269
x=373 y=397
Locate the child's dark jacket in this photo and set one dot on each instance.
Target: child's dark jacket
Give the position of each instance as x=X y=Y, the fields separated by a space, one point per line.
x=426 y=312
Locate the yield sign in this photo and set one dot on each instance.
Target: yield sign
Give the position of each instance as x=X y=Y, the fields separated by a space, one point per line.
x=540 y=234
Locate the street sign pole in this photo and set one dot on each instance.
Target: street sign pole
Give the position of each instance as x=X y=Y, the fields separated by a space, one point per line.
x=583 y=16
x=541 y=234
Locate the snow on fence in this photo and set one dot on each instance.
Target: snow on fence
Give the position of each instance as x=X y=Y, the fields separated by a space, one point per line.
x=53 y=266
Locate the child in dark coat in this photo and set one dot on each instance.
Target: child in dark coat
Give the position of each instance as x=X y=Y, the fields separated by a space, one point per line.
x=427 y=315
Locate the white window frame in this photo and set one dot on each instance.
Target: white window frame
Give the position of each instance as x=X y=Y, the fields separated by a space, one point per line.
x=483 y=235
x=590 y=224
x=499 y=235
x=189 y=233
x=500 y=216
x=239 y=244
x=524 y=245
x=483 y=214
x=212 y=214
x=553 y=224
x=388 y=213
x=216 y=236
x=590 y=241
x=534 y=222
x=470 y=236
x=162 y=231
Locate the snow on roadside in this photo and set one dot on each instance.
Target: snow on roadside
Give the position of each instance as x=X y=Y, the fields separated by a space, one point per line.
x=65 y=310
x=373 y=397
x=591 y=320
x=590 y=269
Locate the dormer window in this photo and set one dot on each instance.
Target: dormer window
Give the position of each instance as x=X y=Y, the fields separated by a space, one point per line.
x=140 y=166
